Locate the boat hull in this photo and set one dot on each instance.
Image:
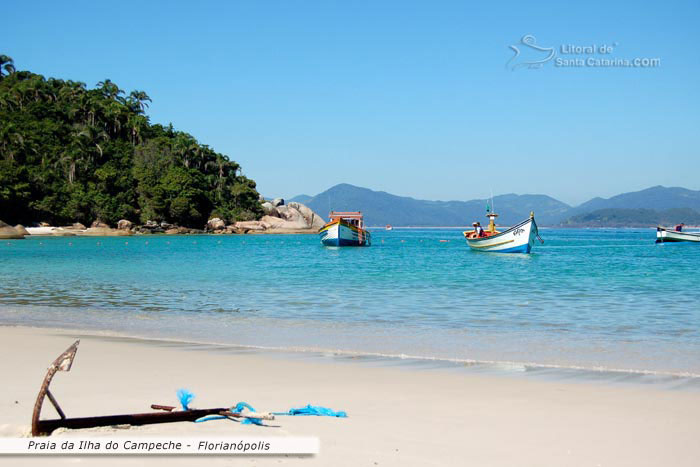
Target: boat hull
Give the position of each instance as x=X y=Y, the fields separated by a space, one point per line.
x=517 y=239
x=342 y=234
x=663 y=236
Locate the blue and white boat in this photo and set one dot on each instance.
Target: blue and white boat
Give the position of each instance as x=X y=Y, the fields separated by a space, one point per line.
x=517 y=239
x=345 y=229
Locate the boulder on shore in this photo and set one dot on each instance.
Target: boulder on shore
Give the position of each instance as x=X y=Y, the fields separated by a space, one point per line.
x=250 y=225
x=281 y=218
x=8 y=232
x=73 y=227
x=277 y=223
x=269 y=209
x=124 y=224
x=21 y=230
x=216 y=224
x=312 y=219
x=98 y=224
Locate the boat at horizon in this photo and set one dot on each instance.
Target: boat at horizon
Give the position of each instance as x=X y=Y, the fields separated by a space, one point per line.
x=345 y=229
x=389 y=227
x=517 y=239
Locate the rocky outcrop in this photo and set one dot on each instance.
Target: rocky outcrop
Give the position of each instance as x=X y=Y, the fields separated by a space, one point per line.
x=269 y=209
x=8 y=232
x=312 y=219
x=153 y=227
x=278 y=202
x=124 y=224
x=101 y=229
x=21 y=230
x=105 y=232
x=216 y=224
x=281 y=218
x=256 y=226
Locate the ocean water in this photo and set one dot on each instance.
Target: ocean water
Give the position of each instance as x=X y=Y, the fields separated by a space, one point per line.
x=592 y=299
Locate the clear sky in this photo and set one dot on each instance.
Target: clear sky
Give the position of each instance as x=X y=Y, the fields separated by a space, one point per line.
x=413 y=98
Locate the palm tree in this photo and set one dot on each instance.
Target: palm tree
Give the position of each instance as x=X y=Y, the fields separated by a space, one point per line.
x=136 y=123
x=187 y=148
x=10 y=141
x=110 y=89
x=69 y=160
x=90 y=136
x=6 y=65
x=138 y=99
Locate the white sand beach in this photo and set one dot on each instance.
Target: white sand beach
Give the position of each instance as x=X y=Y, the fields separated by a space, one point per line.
x=397 y=416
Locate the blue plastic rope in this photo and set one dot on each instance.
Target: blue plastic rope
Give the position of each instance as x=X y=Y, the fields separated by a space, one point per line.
x=185 y=397
x=314 y=410
x=238 y=408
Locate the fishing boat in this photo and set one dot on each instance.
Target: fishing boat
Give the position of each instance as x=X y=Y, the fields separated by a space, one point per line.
x=345 y=229
x=664 y=235
x=389 y=227
x=517 y=239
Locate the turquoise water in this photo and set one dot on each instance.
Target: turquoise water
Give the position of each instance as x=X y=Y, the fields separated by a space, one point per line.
x=597 y=299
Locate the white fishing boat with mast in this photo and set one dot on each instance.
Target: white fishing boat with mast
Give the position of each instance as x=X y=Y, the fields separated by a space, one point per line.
x=519 y=238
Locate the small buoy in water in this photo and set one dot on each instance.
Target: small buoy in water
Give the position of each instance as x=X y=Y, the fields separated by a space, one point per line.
x=444 y=241
x=126 y=243
x=167 y=243
x=403 y=241
x=146 y=242
x=70 y=243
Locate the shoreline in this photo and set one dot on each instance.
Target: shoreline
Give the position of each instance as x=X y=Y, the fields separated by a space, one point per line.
x=393 y=411
x=506 y=368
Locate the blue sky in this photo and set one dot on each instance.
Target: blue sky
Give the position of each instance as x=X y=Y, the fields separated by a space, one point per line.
x=413 y=98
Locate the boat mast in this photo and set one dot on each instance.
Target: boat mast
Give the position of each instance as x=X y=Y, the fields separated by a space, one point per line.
x=491 y=214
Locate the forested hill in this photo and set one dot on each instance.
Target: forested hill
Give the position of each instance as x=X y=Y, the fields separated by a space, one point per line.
x=72 y=154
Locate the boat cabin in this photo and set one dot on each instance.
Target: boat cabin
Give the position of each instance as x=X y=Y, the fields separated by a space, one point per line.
x=354 y=218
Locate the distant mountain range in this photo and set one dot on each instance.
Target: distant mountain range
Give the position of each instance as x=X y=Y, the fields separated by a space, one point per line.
x=641 y=208
x=634 y=217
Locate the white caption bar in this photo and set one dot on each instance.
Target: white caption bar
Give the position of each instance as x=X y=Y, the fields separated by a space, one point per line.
x=161 y=446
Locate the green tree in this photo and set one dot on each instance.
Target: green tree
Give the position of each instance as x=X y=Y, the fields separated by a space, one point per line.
x=69 y=153
x=7 y=65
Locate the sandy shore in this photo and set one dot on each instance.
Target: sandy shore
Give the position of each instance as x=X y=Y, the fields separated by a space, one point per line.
x=397 y=416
